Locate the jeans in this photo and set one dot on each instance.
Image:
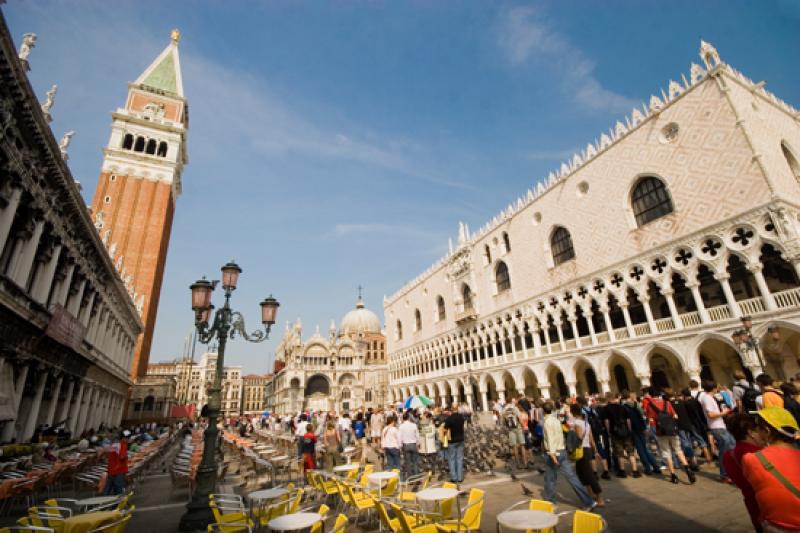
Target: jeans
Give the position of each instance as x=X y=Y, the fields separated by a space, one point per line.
x=114 y=485
x=568 y=470
x=724 y=443
x=640 y=443
x=411 y=459
x=392 y=458
x=455 y=461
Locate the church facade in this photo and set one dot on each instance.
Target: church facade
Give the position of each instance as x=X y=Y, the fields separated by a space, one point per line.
x=637 y=263
x=342 y=372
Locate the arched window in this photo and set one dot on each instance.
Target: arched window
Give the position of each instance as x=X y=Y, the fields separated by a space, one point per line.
x=162 y=149
x=794 y=166
x=139 y=146
x=561 y=245
x=466 y=296
x=487 y=254
x=151 y=147
x=441 y=313
x=650 y=200
x=127 y=142
x=399 y=330
x=501 y=277
x=417 y=320
x=506 y=242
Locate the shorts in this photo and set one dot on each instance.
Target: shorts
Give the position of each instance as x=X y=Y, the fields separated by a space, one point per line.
x=669 y=444
x=516 y=437
x=623 y=446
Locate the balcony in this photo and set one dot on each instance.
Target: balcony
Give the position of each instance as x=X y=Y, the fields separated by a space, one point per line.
x=467 y=315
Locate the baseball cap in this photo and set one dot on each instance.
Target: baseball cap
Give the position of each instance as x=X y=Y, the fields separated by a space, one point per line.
x=780 y=419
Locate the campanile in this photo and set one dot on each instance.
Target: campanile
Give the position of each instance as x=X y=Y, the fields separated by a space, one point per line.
x=139 y=184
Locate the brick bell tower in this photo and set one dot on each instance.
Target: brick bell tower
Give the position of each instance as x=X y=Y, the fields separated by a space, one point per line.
x=140 y=182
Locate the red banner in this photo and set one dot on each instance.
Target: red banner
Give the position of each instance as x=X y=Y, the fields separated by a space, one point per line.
x=65 y=328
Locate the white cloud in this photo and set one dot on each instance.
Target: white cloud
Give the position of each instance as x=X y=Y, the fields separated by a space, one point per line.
x=525 y=37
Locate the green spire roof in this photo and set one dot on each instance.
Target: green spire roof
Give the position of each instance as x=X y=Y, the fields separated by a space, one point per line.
x=163 y=76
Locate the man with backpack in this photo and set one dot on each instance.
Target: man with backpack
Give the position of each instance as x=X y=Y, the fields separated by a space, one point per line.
x=661 y=415
x=716 y=423
x=618 y=424
x=745 y=393
x=639 y=431
x=516 y=437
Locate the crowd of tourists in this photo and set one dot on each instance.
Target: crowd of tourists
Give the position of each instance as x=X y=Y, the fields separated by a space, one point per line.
x=748 y=433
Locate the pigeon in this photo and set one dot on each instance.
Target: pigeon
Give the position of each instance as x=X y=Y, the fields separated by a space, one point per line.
x=513 y=477
x=525 y=490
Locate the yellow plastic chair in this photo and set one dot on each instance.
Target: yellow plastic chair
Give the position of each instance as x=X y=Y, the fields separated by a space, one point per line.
x=323 y=513
x=340 y=526
x=470 y=519
x=392 y=524
x=360 y=502
x=229 y=528
x=419 y=482
x=270 y=512
x=406 y=524
x=233 y=516
x=117 y=526
x=583 y=522
x=541 y=505
x=391 y=488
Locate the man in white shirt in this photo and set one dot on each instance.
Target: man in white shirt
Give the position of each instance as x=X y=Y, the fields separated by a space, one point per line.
x=390 y=442
x=345 y=430
x=299 y=431
x=716 y=423
x=409 y=437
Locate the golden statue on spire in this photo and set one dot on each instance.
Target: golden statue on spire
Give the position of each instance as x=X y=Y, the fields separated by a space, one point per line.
x=175 y=35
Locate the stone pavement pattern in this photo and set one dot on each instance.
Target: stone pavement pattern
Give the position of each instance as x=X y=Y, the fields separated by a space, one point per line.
x=645 y=504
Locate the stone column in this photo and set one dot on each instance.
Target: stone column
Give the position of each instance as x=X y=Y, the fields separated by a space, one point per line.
x=648 y=311
x=484 y=400
x=544 y=389
x=63 y=288
x=537 y=342
x=87 y=309
x=587 y=315
x=525 y=353
x=41 y=287
x=546 y=332
x=7 y=215
x=607 y=319
x=698 y=302
x=36 y=404
x=88 y=399
x=560 y=335
x=763 y=288
x=605 y=386
x=673 y=310
x=574 y=326
x=74 y=303
x=62 y=412
x=573 y=388
x=19 y=387
x=627 y=316
x=644 y=380
x=733 y=305
x=26 y=255
x=51 y=408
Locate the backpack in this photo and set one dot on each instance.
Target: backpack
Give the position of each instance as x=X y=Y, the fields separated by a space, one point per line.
x=664 y=421
x=510 y=419
x=573 y=443
x=620 y=428
x=749 y=396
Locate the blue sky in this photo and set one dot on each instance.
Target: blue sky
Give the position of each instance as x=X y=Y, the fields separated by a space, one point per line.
x=337 y=144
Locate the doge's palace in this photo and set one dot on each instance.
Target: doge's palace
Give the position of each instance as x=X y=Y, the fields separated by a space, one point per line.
x=632 y=264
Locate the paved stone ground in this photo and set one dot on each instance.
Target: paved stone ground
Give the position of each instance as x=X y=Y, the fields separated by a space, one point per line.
x=650 y=504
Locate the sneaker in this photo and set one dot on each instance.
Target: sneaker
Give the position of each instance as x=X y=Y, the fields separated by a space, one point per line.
x=636 y=473
x=649 y=472
x=692 y=477
x=674 y=478
x=605 y=475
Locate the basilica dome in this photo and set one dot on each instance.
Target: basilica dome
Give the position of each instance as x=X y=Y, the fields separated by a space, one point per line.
x=360 y=320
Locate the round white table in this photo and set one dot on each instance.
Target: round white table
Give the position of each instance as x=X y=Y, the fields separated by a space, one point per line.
x=293 y=522
x=346 y=468
x=523 y=519
x=96 y=501
x=268 y=494
x=435 y=496
x=379 y=479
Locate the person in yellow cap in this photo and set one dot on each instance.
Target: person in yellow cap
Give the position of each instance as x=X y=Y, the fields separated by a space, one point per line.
x=774 y=472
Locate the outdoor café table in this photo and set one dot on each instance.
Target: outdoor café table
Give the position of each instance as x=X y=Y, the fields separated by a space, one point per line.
x=83 y=523
x=349 y=452
x=266 y=495
x=294 y=521
x=524 y=519
x=346 y=468
x=96 y=501
x=379 y=479
x=437 y=495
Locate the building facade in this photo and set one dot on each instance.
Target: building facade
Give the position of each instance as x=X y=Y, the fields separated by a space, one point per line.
x=152 y=399
x=254 y=394
x=343 y=372
x=631 y=265
x=67 y=323
x=139 y=184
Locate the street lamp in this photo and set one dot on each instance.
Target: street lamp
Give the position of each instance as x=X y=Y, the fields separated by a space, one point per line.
x=226 y=323
x=744 y=339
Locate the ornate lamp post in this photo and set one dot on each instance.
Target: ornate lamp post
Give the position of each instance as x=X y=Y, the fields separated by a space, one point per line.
x=744 y=339
x=226 y=323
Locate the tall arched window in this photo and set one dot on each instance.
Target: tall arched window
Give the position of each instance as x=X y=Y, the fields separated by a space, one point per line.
x=794 y=166
x=561 y=245
x=466 y=296
x=162 y=149
x=442 y=314
x=501 y=277
x=399 y=330
x=506 y=242
x=139 y=146
x=127 y=142
x=151 y=147
x=417 y=320
x=650 y=200
x=487 y=254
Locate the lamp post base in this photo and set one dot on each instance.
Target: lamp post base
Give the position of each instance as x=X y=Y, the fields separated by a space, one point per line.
x=197 y=517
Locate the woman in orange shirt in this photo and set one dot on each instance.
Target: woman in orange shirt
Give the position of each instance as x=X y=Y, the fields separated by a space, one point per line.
x=774 y=472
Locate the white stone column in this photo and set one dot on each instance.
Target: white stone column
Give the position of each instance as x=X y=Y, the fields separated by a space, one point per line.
x=698 y=302
x=537 y=342
x=44 y=281
x=7 y=216
x=75 y=411
x=563 y=344
x=607 y=319
x=87 y=309
x=36 y=404
x=19 y=387
x=546 y=331
x=484 y=400
x=26 y=255
x=644 y=380
x=733 y=305
x=74 y=303
x=673 y=310
x=574 y=326
x=51 y=408
x=63 y=287
x=573 y=388
x=86 y=398
x=544 y=388
x=763 y=288
x=62 y=412
x=587 y=315
x=605 y=386
x=627 y=316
